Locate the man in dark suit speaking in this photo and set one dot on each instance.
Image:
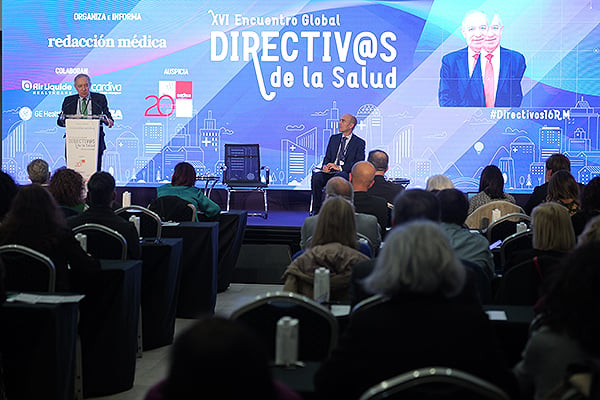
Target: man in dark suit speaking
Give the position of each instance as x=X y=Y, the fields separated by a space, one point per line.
x=343 y=151
x=87 y=103
x=483 y=74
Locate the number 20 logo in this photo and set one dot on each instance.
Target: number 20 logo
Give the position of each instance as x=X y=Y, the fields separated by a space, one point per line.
x=157 y=104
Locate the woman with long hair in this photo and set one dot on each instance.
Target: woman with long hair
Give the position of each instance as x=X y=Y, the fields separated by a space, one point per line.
x=36 y=221
x=564 y=190
x=333 y=246
x=491 y=188
x=68 y=189
x=183 y=186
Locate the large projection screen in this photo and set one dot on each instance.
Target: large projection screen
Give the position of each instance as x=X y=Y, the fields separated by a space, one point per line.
x=183 y=78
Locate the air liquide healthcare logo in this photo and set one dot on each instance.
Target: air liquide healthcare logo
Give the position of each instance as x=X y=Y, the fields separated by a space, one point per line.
x=181 y=91
x=60 y=89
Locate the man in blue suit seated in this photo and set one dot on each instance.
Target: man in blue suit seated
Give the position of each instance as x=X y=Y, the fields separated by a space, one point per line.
x=483 y=74
x=343 y=151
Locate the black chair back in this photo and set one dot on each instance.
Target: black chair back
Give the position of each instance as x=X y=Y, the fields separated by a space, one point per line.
x=172 y=208
x=103 y=242
x=150 y=222
x=27 y=270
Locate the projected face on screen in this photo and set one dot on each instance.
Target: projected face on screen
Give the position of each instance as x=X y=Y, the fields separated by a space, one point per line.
x=182 y=81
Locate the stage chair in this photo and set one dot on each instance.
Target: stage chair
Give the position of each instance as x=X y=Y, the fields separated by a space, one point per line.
x=481 y=218
x=103 y=242
x=434 y=383
x=318 y=331
x=150 y=222
x=27 y=270
x=506 y=226
x=173 y=208
x=242 y=173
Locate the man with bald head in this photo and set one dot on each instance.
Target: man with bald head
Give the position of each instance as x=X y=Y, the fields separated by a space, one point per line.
x=381 y=187
x=361 y=177
x=366 y=225
x=343 y=151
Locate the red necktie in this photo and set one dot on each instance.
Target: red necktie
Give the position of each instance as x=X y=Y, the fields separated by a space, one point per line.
x=475 y=57
x=488 y=82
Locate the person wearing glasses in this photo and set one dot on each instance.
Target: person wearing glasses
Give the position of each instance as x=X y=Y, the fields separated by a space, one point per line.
x=483 y=74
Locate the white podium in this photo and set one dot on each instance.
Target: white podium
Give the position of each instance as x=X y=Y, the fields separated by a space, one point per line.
x=82 y=133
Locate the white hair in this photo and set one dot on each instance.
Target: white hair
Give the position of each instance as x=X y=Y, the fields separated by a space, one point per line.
x=417 y=258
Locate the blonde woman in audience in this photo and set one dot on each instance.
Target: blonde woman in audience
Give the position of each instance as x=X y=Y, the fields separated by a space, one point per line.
x=423 y=323
x=438 y=182
x=333 y=246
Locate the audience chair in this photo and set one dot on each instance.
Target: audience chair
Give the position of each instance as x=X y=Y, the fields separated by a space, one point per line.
x=173 y=208
x=27 y=269
x=435 y=383
x=369 y=302
x=150 y=222
x=481 y=280
x=242 y=173
x=318 y=328
x=513 y=243
x=103 y=242
x=506 y=226
x=481 y=218
x=522 y=284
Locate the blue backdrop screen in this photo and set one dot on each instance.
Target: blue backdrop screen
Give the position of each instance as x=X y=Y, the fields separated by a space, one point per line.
x=183 y=78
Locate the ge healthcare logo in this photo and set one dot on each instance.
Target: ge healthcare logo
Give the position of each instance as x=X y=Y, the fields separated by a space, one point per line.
x=45 y=89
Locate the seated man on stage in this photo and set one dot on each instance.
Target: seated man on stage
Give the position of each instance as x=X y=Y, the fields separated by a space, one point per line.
x=343 y=150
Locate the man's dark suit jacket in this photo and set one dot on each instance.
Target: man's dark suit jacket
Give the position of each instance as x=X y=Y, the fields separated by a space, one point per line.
x=386 y=189
x=377 y=206
x=355 y=151
x=107 y=217
x=99 y=106
x=457 y=89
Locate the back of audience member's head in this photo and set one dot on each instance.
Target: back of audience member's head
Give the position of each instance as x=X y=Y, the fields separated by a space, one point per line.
x=8 y=191
x=590 y=198
x=379 y=159
x=573 y=302
x=454 y=206
x=184 y=175
x=492 y=182
x=67 y=187
x=338 y=186
x=217 y=358
x=552 y=228
x=34 y=219
x=438 y=182
x=562 y=186
x=557 y=162
x=417 y=258
x=38 y=171
x=414 y=204
x=101 y=189
x=335 y=223
x=591 y=232
x=362 y=175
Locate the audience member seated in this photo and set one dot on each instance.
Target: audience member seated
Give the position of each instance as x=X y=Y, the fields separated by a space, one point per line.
x=101 y=195
x=68 y=189
x=38 y=171
x=361 y=179
x=410 y=205
x=438 y=182
x=334 y=246
x=382 y=188
x=590 y=205
x=567 y=331
x=366 y=225
x=468 y=246
x=217 y=358
x=591 y=232
x=554 y=163
x=564 y=190
x=491 y=188
x=8 y=191
x=36 y=221
x=182 y=185
x=422 y=324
